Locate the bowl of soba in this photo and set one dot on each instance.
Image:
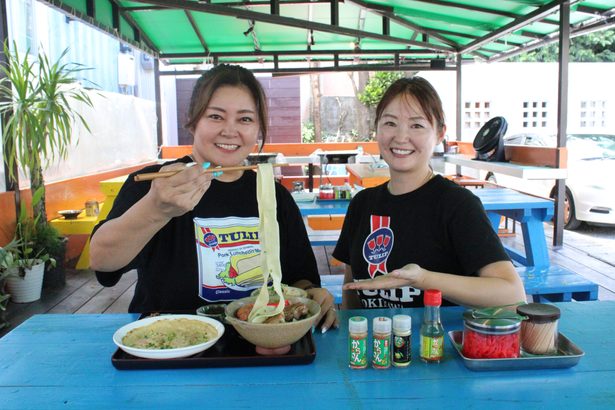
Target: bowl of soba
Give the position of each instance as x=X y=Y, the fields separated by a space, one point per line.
x=292 y=324
x=168 y=336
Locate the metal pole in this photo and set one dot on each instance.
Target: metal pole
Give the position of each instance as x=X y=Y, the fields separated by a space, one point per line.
x=459 y=104
x=158 y=104
x=562 y=118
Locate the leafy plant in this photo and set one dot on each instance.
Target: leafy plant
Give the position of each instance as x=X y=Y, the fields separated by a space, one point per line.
x=307 y=132
x=30 y=250
x=35 y=101
x=9 y=259
x=377 y=85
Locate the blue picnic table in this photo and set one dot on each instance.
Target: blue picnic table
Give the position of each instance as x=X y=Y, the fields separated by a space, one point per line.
x=64 y=361
x=528 y=210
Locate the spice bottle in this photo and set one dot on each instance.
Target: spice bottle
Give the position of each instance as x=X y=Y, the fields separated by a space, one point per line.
x=432 y=332
x=382 y=343
x=357 y=342
x=402 y=333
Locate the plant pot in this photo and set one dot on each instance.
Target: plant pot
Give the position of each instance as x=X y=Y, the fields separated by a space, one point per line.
x=55 y=276
x=28 y=288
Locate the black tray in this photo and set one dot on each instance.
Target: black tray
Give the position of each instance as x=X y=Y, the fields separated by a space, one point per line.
x=230 y=351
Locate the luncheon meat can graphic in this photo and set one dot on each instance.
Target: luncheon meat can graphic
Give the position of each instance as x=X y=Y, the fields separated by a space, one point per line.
x=228 y=252
x=378 y=244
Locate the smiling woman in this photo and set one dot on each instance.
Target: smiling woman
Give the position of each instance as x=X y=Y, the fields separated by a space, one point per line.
x=419 y=231
x=153 y=224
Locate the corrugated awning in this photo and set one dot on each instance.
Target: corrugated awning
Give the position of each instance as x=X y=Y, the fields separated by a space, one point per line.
x=401 y=33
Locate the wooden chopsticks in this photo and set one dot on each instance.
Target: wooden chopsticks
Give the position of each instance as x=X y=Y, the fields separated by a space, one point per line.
x=164 y=174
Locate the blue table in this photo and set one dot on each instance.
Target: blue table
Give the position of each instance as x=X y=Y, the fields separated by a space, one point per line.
x=64 y=361
x=528 y=210
x=317 y=207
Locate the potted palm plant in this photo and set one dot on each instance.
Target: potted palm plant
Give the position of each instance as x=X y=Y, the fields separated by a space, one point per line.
x=37 y=104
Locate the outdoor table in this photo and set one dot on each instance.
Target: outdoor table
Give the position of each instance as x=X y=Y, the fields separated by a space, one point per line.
x=64 y=361
x=530 y=211
x=84 y=225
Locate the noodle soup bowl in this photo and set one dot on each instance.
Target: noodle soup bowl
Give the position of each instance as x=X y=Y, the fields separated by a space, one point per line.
x=175 y=353
x=272 y=335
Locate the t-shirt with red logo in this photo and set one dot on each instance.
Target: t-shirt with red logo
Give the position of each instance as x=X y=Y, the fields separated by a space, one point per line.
x=441 y=227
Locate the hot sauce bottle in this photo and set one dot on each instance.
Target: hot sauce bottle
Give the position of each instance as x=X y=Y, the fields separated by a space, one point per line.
x=432 y=332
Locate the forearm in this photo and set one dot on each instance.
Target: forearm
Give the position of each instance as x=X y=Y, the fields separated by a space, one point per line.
x=481 y=291
x=118 y=241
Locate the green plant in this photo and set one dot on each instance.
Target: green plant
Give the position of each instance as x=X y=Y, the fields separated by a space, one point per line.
x=35 y=102
x=307 y=132
x=9 y=263
x=377 y=85
x=31 y=250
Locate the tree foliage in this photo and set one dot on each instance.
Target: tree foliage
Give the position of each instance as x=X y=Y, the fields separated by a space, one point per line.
x=593 y=47
x=377 y=85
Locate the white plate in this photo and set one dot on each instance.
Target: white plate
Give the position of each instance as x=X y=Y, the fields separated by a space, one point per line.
x=166 y=353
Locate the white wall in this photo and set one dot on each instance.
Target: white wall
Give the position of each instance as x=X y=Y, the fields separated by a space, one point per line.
x=123 y=133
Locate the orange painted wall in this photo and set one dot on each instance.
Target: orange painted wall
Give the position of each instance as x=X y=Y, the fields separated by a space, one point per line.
x=297 y=149
x=67 y=194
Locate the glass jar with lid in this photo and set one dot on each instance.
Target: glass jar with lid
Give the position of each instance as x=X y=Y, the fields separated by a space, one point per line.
x=490 y=336
x=539 y=332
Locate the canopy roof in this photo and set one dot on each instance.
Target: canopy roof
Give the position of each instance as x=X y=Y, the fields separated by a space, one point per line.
x=373 y=34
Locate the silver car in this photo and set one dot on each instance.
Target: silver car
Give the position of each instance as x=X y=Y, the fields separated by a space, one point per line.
x=590 y=186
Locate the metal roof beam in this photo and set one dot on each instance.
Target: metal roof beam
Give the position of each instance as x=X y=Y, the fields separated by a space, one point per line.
x=197 y=31
x=595 y=11
x=536 y=15
x=388 y=12
x=342 y=68
x=480 y=9
x=286 y=21
x=448 y=4
x=335 y=13
x=574 y=32
x=274 y=7
x=141 y=42
x=295 y=53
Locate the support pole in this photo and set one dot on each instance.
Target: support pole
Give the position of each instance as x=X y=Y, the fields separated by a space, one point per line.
x=562 y=119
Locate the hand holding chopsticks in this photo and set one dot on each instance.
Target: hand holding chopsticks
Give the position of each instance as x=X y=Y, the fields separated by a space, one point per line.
x=164 y=174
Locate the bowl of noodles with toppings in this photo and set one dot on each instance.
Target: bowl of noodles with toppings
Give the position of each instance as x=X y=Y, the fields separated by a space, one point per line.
x=168 y=336
x=291 y=324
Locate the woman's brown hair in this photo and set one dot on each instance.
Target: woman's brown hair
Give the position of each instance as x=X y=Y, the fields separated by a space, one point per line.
x=221 y=75
x=422 y=91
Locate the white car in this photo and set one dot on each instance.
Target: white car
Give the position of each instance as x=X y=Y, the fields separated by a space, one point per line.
x=590 y=186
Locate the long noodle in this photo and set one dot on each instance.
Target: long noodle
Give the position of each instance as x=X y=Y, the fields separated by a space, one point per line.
x=269 y=237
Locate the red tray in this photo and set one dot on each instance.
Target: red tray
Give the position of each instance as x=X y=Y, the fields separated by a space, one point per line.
x=230 y=351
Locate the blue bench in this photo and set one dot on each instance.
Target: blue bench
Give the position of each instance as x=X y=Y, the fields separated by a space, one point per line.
x=547 y=284
x=556 y=284
x=323 y=238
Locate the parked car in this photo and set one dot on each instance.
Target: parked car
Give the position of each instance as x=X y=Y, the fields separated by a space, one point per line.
x=590 y=186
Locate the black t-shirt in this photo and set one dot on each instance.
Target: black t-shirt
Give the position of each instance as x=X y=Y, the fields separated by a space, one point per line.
x=167 y=268
x=441 y=227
